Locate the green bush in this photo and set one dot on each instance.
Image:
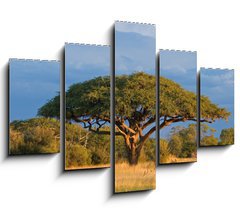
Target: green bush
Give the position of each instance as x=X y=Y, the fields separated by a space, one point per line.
x=77 y=155
x=227 y=136
x=164 y=151
x=95 y=148
x=34 y=136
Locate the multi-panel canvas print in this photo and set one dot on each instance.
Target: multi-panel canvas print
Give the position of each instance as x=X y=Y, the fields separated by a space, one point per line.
x=178 y=106
x=34 y=128
x=87 y=125
x=135 y=102
x=216 y=107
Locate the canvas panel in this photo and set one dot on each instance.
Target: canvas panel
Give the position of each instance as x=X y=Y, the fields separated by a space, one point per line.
x=87 y=125
x=216 y=107
x=33 y=128
x=135 y=103
x=178 y=106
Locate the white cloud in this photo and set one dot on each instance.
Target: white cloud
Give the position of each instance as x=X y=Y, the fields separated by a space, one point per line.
x=213 y=78
x=143 y=29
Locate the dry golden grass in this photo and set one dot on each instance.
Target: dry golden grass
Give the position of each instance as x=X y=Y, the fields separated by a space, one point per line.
x=174 y=159
x=134 y=178
x=88 y=167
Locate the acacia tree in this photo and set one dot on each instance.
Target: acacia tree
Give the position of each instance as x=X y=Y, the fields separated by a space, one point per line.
x=88 y=103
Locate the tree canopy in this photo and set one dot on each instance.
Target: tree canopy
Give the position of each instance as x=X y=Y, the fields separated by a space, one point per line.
x=88 y=103
x=179 y=105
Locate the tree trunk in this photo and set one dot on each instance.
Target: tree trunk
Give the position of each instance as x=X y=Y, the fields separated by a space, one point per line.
x=133 y=156
x=133 y=149
x=135 y=143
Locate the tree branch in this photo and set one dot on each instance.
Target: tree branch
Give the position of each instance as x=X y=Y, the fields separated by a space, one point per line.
x=145 y=138
x=120 y=131
x=120 y=123
x=174 y=119
x=149 y=122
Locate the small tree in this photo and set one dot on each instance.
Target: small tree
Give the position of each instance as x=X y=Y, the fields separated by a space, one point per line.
x=175 y=145
x=164 y=151
x=227 y=136
x=183 y=141
x=207 y=137
x=88 y=103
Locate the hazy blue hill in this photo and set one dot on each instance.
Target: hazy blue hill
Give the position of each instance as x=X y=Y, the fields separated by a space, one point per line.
x=129 y=57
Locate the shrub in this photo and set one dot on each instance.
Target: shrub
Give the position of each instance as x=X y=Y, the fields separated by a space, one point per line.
x=164 y=151
x=33 y=136
x=77 y=155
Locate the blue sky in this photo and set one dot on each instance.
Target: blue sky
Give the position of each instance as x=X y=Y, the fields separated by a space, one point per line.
x=85 y=62
x=218 y=85
x=32 y=84
x=181 y=67
x=135 y=48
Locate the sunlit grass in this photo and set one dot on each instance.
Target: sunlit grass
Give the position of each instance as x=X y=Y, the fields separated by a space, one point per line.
x=134 y=178
x=173 y=159
x=99 y=166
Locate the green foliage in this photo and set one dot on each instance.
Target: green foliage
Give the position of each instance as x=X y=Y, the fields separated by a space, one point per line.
x=180 y=103
x=16 y=143
x=175 y=100
x=211 y=112
x=92 y=98
x=135 y=91
x=51 y=108
x=77 y=155
x=34 y=136
x=89 y=98
x=227 y=136
x=84 y=148
x=122 y=152
x=207 y=137
x=175 y=145
x=150 y=150
x=88 y=103
x=182 y=142
x=210 y=140
x=164 y=151
x=99 y=146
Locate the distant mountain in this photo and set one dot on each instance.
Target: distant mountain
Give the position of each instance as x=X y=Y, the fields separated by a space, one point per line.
x=133 y=52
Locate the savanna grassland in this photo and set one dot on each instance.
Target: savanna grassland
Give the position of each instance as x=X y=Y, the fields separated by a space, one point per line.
x=134 y=178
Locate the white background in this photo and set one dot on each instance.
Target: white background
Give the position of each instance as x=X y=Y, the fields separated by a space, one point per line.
x=35 y=185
